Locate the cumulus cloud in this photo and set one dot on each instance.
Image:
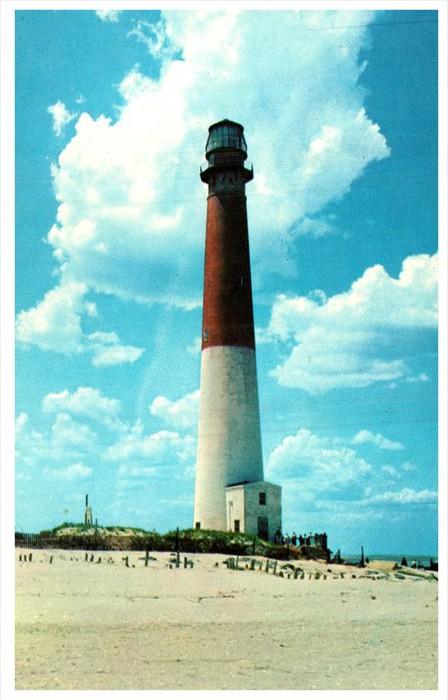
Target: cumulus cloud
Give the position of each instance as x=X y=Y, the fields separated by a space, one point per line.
x=66 y=439
x=131 y=470
x=21 y=421
x=346 y=340
x=422 y=377
x=162 y=448
x=70 y=473
x=108 y=15
x=316 y=227
x=154 y=36
x=182 y=413
x=85 y=401
x=61 y=116
x=107 y=350
x=130 y=202
x=56 y=324
x=405 y=496
x=137 y=453
x=408 y=466
x=327 y=484
x=66 y=432
x=391 y=471
x=316 y=462
x=365 y=436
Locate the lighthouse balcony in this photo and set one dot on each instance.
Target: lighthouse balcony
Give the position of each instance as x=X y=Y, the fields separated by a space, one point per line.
x=233 y=170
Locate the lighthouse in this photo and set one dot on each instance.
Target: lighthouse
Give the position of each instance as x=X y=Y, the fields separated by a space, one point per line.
x=230 y=492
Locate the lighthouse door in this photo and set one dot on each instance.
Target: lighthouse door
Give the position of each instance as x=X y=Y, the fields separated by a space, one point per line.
x=263 y=530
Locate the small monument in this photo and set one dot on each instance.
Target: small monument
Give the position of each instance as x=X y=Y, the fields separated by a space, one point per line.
x=88 y=518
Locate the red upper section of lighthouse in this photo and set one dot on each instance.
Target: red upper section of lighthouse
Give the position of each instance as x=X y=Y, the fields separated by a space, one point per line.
x=227 y=310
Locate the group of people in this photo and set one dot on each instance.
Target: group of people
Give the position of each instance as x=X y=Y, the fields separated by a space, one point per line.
x=316 y=540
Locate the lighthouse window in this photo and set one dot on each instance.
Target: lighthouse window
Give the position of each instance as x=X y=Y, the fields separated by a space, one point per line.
x=262 y=498
x=236 y=525
x=205 y=335
x=226 y=135
x=198 y=526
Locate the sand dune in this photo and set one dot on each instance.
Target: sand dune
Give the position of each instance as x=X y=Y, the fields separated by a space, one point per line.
x=103 y=625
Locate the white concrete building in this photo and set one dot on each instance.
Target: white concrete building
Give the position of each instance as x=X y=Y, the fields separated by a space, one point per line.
x=254 y=507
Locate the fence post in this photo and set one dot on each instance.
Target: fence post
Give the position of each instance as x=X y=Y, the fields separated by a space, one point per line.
x=177 y=549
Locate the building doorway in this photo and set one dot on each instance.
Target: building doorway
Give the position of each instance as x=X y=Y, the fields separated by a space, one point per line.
x=263 y=527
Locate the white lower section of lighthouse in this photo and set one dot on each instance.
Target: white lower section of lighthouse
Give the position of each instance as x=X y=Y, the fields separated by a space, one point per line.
x=229 y=443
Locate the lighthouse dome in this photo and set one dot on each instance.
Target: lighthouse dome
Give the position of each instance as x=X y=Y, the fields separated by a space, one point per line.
x=226 y=135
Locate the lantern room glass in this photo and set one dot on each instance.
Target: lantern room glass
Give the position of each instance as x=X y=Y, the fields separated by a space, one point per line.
x=226 y=135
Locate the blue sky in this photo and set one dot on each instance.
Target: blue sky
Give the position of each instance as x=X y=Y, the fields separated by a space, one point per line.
x=340 y=116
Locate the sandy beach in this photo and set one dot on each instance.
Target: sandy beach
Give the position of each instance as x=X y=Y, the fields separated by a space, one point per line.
x=102 y=625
